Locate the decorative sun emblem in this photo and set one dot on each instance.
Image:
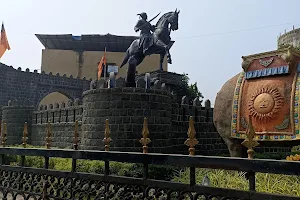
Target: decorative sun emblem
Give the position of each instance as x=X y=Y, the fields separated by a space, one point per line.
x=265 y=103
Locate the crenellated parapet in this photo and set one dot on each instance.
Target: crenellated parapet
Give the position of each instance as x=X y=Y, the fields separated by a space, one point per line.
x=27 y=70
x=58 y=112
x=142 y=82
x=289 y=38
x=182 y=111
x=62 y=117
x=24 y=84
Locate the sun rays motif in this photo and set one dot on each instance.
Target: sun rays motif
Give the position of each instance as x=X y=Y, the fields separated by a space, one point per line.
x=265 y=103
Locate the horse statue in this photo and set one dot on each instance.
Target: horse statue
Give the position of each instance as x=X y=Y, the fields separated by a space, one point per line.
x=161 y=44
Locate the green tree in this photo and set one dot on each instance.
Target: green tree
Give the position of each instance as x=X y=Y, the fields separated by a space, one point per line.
x=190 y=90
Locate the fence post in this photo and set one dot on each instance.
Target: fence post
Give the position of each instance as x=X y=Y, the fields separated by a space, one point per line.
x=250 y=143
x=191 y=142
x=145 y=133
x=74 y=161
x=25 y=134
x=3 y=135
x=48 y=146
x=106 y=140
x=48 y=138
x=24 y=140
x=145 y=140
x=75 y=145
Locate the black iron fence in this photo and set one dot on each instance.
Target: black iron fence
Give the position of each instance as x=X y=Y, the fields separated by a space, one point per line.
x=20 y=182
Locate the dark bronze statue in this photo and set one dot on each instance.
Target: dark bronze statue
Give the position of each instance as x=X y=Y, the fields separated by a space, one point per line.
x=157 y=42
x=146 y=39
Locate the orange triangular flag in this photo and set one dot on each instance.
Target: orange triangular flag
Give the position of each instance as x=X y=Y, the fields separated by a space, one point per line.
x=101 y=64
x=4 y=45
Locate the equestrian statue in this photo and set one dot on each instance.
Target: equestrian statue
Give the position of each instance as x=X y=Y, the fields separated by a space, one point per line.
x=154 y=39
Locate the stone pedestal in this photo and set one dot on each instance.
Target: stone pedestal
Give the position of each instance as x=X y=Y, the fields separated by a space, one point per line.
x=126 y=108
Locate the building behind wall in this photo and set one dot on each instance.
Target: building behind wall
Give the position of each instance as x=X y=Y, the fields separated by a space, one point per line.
x=79 y=55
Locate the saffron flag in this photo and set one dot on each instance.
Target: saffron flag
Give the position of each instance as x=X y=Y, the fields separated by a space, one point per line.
x=101 y=65
x=4 y=45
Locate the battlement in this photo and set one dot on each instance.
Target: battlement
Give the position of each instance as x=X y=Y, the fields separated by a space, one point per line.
x=155 y=96
x=289 y=38
x=143 y=82
x=58 y=113
x=181 y=112
x=33 y=86
x=27 y=70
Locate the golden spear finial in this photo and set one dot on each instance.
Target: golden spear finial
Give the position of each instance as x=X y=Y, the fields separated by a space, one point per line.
x=250 y=142
x=25 y=133
x=76 y=136
x=48 y=138
x=145 y=140
x=106 y=140
x=192 y=140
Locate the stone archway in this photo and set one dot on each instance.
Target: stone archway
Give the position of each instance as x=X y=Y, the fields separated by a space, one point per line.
x=53 y=97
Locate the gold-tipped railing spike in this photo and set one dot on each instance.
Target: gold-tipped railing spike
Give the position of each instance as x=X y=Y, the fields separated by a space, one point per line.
x=4 y=134
x=250 y=142
x=76 y=136
x=145 y=140
x=192 y=140
x=25 y=134
x=48 y=138
x=106 y=140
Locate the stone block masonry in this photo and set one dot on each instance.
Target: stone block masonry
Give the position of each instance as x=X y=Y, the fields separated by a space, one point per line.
x=167 y=120
x=124 y=107
x=62 y=120
x=33 y=86
x=210 y=142
x=15 y=114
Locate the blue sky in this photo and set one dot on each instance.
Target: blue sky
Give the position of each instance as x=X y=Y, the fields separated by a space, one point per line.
x=212 y=35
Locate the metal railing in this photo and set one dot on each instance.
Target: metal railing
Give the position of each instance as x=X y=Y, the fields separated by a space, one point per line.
x=45 y=183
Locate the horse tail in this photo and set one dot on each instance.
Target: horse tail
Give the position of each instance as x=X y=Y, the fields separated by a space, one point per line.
x=127 y=56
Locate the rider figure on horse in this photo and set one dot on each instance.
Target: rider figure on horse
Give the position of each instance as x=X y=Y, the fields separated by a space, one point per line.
x=146 y=39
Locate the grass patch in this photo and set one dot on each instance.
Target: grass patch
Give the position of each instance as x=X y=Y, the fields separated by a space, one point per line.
x=268 y=183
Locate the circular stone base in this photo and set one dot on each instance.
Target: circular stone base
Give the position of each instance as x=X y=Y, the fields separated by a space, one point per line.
x=125 y=108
